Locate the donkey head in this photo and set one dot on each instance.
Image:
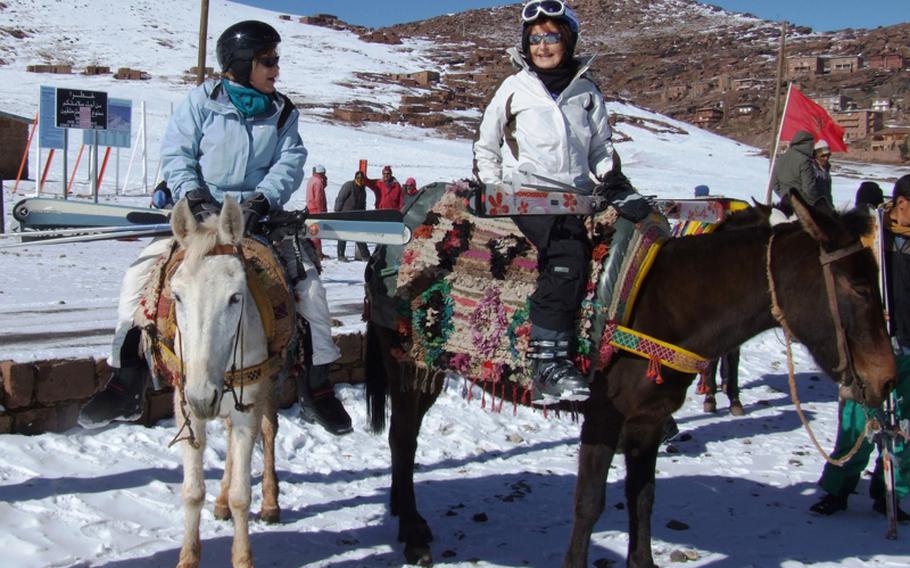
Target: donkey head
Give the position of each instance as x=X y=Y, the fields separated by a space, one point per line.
x=209 y=290
x=840 y=321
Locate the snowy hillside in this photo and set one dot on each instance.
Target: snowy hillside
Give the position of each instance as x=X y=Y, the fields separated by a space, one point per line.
x=112 y=497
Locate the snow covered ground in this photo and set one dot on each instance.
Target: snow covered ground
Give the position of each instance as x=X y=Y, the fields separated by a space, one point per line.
x=112 y=497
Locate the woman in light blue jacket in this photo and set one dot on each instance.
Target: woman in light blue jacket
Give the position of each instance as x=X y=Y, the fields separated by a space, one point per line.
x=236 y=136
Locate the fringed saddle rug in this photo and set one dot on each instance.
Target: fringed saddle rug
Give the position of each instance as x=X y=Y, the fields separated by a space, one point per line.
x=467 y=281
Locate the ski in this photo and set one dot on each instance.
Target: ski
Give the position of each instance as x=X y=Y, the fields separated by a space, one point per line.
x=42 y=213
x=889 y=423
x=379 y=232
x=124 y=233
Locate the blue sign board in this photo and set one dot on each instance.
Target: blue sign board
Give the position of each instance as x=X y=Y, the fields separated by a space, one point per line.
x=119 y=123
x=49 y=136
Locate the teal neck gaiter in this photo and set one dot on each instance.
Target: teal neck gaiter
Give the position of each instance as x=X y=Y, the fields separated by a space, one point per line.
x=248 y=100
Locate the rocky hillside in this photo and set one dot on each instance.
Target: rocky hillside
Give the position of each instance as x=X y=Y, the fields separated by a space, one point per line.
x=676 y=57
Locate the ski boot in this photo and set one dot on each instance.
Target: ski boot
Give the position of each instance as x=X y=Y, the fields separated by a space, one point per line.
x=120 y=400
x=318 y=403
x=554 y=374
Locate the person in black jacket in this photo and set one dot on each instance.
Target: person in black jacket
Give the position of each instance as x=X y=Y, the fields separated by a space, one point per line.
x=352 y=197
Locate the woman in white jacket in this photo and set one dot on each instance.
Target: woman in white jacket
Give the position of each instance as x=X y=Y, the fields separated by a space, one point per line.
x=550 y=118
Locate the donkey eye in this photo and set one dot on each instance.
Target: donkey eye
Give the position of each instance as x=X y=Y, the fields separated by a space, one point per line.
x=177 y=297
x=235 y=299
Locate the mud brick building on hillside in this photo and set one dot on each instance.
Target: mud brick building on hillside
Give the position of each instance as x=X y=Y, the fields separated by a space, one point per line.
x=13 y=139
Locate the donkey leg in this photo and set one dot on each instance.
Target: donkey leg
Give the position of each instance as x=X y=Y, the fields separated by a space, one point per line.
x=271 y=512
x=222 y=508
x=729 y=371
x=709 y=386
x=408 y=410
x=600 y=434
x=642 y=438
x=193 y=493
x=244 y=433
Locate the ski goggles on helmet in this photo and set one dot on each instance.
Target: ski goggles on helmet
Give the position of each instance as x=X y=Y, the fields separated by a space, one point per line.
x=537 y=8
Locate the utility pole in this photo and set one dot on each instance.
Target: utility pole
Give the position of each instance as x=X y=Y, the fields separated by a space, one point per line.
x=203 y=34
x=781 y=57
x=775 y=129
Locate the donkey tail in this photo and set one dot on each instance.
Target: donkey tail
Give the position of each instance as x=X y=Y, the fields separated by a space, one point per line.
x=377 y=380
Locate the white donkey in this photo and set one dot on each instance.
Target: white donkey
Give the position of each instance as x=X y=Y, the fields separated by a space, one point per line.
x=217 y=322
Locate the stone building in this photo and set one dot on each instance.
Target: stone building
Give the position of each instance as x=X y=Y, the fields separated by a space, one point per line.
x=13 y=140
x=858 y=124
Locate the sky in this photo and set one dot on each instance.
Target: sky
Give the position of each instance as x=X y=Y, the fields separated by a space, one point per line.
x=819 y=15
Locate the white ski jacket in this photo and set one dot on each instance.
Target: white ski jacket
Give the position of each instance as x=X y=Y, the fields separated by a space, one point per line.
x=567 y=139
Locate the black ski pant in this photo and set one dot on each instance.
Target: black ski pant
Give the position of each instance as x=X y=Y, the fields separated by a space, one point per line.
x=563 y=252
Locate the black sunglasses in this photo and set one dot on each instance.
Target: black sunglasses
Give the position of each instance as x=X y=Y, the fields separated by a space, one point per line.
x=268 y=61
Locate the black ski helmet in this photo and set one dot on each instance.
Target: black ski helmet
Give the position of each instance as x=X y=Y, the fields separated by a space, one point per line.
x=239 y=44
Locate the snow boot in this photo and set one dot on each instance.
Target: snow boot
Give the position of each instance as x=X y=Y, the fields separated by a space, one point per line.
x=318 y=403
x=829 y=504
x=553 y=372
x=120 y=400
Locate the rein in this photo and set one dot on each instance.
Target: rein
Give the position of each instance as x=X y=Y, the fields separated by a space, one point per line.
x=844 y=359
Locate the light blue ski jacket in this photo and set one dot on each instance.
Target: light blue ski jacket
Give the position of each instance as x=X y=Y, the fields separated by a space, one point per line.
x=209 y=143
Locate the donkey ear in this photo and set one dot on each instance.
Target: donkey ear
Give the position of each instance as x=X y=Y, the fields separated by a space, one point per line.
x=183 y=223
x=764 y=211
x=230 y=222
x=816 y=222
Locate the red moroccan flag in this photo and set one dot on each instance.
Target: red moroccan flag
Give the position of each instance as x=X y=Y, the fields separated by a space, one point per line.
x=804 y=114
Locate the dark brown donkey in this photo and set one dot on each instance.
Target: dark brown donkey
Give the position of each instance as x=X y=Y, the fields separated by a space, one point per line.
x=747 y=270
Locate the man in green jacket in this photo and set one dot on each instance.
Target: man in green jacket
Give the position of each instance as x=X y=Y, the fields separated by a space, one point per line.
x=794 y=170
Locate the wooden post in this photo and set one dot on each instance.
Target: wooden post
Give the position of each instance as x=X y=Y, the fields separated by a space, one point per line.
x=203 y=33
x=775 y=127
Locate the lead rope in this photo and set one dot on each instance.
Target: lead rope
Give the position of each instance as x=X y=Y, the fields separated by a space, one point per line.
x=191 y=436
x=778 y=315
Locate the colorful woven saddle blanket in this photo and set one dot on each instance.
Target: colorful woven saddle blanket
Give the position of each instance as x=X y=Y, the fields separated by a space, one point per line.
x=463 y=284
x=270 y=288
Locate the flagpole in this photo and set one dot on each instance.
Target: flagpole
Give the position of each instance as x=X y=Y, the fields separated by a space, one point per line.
x=777 y=129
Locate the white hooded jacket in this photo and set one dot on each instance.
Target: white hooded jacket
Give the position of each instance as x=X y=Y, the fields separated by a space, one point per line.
x=566 y=139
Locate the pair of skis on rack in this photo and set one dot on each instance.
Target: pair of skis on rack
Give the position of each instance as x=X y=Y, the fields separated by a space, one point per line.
x=43 y=221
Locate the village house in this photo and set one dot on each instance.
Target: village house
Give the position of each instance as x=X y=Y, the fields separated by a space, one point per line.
x=858 y=124
x=804 y=65
x=833 y=103
x=845 y=64
x=13 y=140
x=887 y=61
x=708 y=115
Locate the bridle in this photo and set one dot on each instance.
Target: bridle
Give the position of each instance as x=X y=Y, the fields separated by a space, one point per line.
x=845 y=361
x=826 y=259
x=231 y=377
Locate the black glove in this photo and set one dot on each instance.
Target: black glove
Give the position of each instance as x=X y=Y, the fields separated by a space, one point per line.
x=617 y=190
x=254 y=208
x=202 y=204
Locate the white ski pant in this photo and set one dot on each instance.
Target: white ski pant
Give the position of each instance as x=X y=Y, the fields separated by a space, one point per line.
x=309 y=299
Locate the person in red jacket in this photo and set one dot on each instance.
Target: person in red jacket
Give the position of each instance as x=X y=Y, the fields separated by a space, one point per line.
x=387 y=190
x=315 y=198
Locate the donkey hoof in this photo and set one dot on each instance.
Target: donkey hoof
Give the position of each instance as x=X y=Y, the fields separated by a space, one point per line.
x=222 y=512
x=419 y=555
x=736 y=408
x=710 y=405
x=270 y=516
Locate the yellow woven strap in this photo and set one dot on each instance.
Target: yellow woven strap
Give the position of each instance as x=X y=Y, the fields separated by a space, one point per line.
x=247 y=376
x=650 y=348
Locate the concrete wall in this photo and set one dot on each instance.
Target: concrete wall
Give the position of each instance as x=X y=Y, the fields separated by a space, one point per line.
x=45 y=396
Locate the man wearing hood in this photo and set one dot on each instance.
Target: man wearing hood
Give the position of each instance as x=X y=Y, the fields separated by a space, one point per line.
x=795 y=170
